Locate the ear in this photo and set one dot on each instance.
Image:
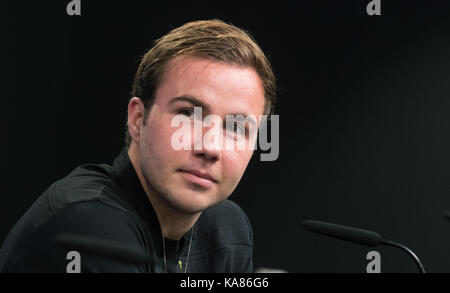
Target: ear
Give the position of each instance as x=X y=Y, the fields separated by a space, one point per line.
x=135 y=118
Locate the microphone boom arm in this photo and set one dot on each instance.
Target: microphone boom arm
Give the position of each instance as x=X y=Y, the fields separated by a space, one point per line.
x=407 y=250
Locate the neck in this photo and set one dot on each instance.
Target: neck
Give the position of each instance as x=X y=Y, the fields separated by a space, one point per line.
x=173 y=223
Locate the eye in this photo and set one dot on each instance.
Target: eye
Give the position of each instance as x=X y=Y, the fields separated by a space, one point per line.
x=191 y=113
x=236 y=128
x=187 y=112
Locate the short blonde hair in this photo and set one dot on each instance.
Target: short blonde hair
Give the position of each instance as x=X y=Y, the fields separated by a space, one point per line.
x=209 y=39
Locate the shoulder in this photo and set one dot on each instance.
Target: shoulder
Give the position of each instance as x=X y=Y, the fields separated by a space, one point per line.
x=83 y=196
x=38 y=250
x=96 y=220
x=83 y=203
x=86 y=182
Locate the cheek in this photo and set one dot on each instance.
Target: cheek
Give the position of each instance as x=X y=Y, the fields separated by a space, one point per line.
x=155 y=147
x=234 y=164
x=158 y=132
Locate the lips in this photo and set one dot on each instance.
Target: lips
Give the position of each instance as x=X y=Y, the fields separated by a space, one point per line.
x=198 y=178
x=200 y=174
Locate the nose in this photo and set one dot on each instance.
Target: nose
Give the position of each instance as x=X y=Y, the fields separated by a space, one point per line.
x=208 y=155
x=208 y=143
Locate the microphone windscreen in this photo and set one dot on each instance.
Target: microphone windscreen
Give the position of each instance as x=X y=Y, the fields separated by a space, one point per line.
x=351 y=234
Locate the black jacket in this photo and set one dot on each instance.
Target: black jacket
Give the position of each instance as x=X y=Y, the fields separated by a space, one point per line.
x=103 y=202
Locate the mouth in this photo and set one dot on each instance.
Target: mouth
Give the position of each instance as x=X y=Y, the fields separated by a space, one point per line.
x=198 y=178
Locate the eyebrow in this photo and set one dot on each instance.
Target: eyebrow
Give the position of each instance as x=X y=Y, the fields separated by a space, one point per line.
x=198 y=103
x=190 y=99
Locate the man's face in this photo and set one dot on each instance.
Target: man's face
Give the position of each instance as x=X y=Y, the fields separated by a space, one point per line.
x=178 y=176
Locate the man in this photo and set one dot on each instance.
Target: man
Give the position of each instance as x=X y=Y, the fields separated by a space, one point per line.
x=169 y=203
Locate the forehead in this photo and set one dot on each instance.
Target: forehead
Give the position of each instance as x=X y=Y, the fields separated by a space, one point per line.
x=223 y=87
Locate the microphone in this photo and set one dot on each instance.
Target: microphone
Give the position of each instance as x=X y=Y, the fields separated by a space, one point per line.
x=358 y=236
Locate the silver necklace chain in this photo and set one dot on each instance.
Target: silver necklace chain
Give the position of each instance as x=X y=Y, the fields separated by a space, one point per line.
x=189 y=251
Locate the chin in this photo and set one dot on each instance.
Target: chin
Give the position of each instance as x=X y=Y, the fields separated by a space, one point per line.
x=193 y=203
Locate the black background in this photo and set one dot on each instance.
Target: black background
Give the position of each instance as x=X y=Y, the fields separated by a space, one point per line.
x=363 y=102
